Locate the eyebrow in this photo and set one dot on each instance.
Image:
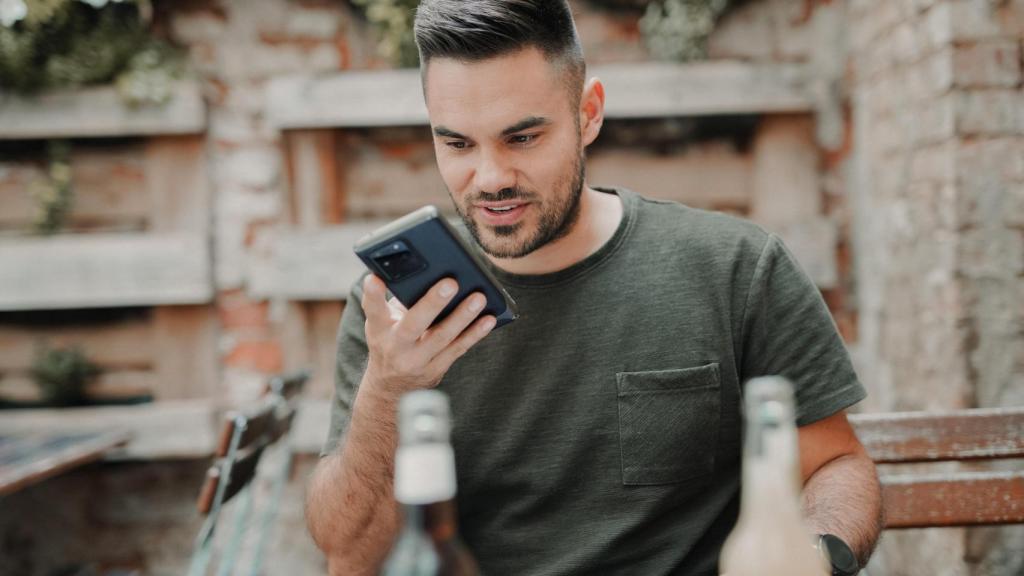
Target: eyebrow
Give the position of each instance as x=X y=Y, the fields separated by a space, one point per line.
x=524 y=124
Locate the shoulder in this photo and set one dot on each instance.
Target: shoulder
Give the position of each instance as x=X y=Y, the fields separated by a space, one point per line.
x=713 y=235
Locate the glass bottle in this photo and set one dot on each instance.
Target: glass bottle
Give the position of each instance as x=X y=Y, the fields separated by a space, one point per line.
x=429 y=543
x=770 y=538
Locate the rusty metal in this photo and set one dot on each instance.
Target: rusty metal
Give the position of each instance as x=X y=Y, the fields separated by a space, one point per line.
x=977 y=434
x=959 y=499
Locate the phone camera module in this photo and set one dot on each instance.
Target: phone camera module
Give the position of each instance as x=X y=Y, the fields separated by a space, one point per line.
x=397 y=261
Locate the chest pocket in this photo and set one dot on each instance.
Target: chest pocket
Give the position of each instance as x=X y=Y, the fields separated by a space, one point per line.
x=668 y=424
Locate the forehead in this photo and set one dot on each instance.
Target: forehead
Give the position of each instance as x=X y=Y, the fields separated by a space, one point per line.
x=494 y=93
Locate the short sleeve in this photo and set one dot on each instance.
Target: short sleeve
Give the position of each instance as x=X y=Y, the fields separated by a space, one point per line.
x=350 y=364
x=788 y=331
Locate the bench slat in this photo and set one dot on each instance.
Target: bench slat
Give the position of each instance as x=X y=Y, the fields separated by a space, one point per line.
x=977 y=434
x=960 y=499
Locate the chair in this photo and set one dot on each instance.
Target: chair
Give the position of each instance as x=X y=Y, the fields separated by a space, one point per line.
x=245 y=437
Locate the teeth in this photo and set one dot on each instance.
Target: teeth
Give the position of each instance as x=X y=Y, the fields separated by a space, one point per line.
x=505 y=209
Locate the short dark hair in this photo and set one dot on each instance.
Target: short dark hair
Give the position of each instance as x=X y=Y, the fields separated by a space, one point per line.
x=475 y=30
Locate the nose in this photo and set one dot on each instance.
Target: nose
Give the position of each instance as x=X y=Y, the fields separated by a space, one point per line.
x=493 y=173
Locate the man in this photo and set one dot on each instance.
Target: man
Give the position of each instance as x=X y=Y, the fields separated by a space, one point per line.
x=601 y=432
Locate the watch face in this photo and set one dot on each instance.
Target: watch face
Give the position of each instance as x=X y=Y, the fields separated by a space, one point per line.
x=844 y=562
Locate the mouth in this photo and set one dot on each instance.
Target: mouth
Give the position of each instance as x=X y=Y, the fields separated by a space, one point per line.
x=502 y=213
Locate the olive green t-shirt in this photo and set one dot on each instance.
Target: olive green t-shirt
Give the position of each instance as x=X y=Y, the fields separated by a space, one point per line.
x=601 y=433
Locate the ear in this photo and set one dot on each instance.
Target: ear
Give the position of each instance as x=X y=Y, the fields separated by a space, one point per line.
x=591 y=110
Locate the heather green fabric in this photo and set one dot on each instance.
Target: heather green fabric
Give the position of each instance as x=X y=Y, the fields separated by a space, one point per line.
x=601 y=432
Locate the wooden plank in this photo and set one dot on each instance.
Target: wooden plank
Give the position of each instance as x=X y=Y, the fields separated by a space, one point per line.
x=178 y=184
x=108 y=386
x=961 y=499
x=108 y=189
x=126 y=344
x=314 y=176
x=703 y=177
x=187 y=365
x=159 y=430
x=647 y=90
x=976 y=434
x=101 y=270
x=308 y=265
x=100 y=112
x=31 y=458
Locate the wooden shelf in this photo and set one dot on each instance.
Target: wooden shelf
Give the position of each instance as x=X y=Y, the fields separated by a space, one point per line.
x=104 y=270
x=161 y=430
x=100 y=112
x=308 y=265
x=645 y=90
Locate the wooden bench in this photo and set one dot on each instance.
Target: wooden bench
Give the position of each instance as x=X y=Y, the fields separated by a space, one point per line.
x=960 y=498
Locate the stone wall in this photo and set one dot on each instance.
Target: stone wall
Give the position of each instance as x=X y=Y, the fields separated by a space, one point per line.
x=939 y=129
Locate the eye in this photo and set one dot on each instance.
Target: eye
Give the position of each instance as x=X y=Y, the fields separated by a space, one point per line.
x=522 y=139
x=457 y=144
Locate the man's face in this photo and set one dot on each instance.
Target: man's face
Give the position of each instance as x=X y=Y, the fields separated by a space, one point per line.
x=507 y=140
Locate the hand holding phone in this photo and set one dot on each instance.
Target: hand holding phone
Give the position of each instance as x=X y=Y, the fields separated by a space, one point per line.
x=417 y=251
x=449 y=300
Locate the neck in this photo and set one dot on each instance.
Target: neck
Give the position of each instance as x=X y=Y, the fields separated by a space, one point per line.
x=599 y=217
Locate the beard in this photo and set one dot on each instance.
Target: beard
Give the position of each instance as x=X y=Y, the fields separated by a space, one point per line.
x=556 y=220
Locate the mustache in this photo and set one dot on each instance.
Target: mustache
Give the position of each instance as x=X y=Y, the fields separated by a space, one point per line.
x=503 y=195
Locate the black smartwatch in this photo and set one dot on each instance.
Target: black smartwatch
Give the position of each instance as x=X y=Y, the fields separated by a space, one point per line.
x=839 y=554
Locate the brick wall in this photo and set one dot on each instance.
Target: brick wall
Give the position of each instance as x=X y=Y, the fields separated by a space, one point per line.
x=940 y=147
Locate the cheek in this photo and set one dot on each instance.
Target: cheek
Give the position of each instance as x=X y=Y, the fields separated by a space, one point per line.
x=456 y=173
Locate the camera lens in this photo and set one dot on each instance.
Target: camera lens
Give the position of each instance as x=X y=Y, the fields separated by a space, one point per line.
x=399 y=264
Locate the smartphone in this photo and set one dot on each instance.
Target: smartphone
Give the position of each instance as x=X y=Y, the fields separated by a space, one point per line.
x=420 y=249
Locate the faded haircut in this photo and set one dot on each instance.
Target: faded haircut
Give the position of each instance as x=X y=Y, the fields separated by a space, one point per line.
x=476 y=30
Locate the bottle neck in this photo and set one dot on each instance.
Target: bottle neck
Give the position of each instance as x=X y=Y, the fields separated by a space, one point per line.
x=770 y=466
x=439 y=519
x=424 y=473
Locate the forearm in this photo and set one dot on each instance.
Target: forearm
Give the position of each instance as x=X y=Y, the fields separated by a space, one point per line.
x=350 y=506
x=844 y=498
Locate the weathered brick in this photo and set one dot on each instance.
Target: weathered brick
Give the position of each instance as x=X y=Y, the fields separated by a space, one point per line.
x=243 y=314
x=988 y=64
x=319 y=23
x=991 y=252
x=990 y=112
x=905 y=46
x=935 y=163
x=931 y=77
x=255 y=167
x=990 y=176
x=786 y=181
x=1014 y=215
x=261 y=355
x=934 y=121
x=973 y=20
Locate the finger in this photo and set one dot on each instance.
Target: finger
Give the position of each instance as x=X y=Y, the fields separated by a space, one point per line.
x=396 y=309
x=469 y=338
x=419 y=318
x=445 y=332
x=374 y=303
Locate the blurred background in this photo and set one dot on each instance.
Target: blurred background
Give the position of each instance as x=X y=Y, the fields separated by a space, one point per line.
x=181 y=183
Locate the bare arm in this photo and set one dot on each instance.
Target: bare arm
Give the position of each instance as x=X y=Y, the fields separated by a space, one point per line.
x=841 y=494
x=350 y=507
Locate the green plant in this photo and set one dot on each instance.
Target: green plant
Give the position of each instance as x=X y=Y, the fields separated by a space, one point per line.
x=62 y=375
x=53 y=194
x=393 y=20
x=68 y=43
x=679 y=29
x=672 y=29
